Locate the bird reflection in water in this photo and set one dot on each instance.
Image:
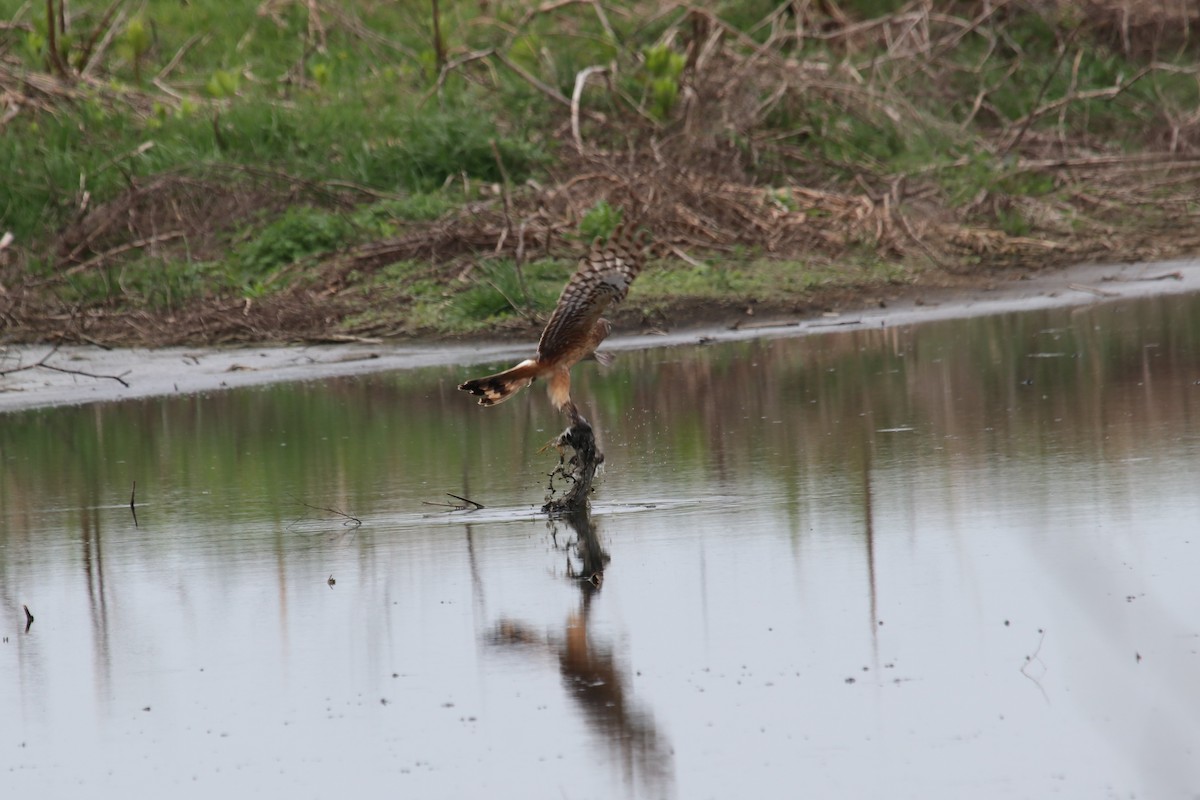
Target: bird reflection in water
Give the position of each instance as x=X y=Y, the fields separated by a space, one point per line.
x=589 y=667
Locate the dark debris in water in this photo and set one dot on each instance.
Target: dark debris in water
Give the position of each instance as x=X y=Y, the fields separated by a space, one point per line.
x=574 y=473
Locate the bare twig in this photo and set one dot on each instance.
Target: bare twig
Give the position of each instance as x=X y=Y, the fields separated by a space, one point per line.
x=462 y=506
x=353 y=24
x=316 y=29
x=600 y=15
x=1091 y=94
x=347 y=519
x=52 y=32
x=544 y=88
x=10 y=113
x=465 y=500
x=365 y=190
x=449 y=67
x=580 y=81
x=110 y=28
x=508 y=228
x=124 y=248
x=192 y=41
x=141 y=149
x=551 y=6
x=523 y=310
x=90 y=53
x=503 y=189
x=439 y=46
x=118 y=378
x=1035 y=658
x=42 y=363
x=132 y=508
x=1079 y=287
x=684 y=256
x=1036 y=111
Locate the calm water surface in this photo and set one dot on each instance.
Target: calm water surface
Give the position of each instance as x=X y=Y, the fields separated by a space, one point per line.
x=953 y=560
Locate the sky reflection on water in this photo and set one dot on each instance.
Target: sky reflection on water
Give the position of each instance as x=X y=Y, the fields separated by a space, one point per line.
x=938 y=561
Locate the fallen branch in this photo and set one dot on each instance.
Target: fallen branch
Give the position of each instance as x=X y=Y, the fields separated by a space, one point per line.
x=118 y=378
x=42 y=364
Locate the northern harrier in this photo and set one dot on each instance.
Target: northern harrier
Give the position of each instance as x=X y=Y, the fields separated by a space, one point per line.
x=575 y=328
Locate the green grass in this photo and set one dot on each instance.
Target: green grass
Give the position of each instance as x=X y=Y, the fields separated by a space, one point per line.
x=48 y=161
x=146 y=283
x=365 y=121
x=410 y=297
x=754 y=279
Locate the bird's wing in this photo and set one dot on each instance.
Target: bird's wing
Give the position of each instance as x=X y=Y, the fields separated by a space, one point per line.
x=602 y=279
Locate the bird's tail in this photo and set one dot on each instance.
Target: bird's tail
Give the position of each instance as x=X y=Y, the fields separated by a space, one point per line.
x=499 y=387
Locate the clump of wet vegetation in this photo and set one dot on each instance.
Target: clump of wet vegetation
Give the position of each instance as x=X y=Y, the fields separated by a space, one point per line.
x=202 y=172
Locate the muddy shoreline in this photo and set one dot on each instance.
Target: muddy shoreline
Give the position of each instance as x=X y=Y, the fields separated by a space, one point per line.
x=91 y=372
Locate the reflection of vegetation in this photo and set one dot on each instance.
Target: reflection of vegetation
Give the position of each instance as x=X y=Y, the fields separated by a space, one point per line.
x=786 y=410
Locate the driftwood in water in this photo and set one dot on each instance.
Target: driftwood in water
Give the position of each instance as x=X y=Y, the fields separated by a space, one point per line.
x=575 y=471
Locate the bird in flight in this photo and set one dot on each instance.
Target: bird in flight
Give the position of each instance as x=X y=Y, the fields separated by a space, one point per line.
x=575 y=328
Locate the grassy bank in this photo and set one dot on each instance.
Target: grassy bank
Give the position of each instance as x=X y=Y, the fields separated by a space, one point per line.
x=206 y=171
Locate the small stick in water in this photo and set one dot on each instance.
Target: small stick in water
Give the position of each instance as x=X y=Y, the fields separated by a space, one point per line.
x=456 y=506
x=466 y=500
x=132 y=509
x=28 y=618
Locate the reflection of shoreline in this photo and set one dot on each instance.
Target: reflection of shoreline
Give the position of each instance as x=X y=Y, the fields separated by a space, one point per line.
x=158 y=372
x=1105 y=382
x=592 y=677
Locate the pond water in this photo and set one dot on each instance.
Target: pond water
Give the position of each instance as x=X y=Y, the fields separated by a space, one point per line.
x=949 y=560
